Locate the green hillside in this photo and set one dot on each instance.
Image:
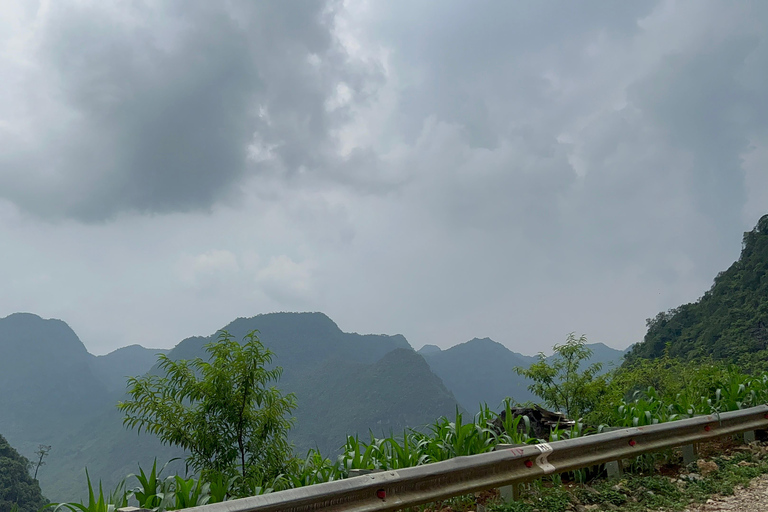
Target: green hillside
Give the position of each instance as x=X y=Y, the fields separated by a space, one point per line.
x=729 y=323
x=16 y=486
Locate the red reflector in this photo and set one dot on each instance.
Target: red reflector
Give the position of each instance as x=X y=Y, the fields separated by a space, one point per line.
x=707 y=428
x=529 y=463
x=381 y=494
x=766 y=416
x=632 y=442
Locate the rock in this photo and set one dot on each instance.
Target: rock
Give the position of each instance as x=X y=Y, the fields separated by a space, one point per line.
x=706 y=467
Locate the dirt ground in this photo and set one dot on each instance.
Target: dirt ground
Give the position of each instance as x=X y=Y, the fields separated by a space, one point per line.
x=752 y=499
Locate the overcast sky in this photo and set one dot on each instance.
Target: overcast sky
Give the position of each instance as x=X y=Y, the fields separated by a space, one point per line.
x=441 y=169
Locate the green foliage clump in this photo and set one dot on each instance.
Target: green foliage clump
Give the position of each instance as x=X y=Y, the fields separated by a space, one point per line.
x=222 y=411
x=656 y=391
x=562 y=383
x=18 y=490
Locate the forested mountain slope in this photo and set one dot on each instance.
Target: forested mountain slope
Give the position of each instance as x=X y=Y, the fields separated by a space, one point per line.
x=729 y=323
x=17 y=487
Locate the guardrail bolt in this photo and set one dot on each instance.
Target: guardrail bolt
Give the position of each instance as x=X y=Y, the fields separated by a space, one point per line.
x=529 y=463
x=381 y=494
x=632 y=442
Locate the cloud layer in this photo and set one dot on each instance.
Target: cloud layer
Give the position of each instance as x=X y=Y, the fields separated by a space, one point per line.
x=447 y=171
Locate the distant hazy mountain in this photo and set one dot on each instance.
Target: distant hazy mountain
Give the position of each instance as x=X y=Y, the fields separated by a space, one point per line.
x=336 y=376
x=52 y=391
x=480 y=370
x=130 y=361
x=46 y=381
x=341 y=397
x=300 y=340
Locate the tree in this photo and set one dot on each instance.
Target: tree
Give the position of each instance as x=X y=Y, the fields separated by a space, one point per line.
x=222 y=411
x=18 y=490
x=560 y=383
x=42 y=453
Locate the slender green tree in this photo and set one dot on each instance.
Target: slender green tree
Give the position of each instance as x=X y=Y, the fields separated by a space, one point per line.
x=41 y=453
x=562 y=383
x=223 y=411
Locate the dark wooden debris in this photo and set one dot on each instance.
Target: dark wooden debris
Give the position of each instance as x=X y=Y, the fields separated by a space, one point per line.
x=542 y=421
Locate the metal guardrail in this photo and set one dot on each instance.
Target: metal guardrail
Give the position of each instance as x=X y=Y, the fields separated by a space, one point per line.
x=392 y=490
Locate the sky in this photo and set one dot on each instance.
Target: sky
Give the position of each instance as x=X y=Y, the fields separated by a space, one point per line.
x=440 y=169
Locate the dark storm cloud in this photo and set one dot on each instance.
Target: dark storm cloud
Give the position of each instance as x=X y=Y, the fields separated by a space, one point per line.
x=153 y=109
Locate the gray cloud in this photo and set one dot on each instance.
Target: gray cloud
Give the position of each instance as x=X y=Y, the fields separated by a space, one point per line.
x=153 y=108
x=445 y=170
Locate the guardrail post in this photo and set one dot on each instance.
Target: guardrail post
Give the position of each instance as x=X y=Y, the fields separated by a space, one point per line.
x=749 y=436
x=614 y=469
x=511 y=492
x=689 y=454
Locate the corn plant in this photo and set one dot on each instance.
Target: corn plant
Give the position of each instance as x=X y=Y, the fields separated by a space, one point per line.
x=190 y=492
x=517 y=429
x=151 y=490
x=646 y=408
x=314 y=469
x=404 y=452
x=220 y=487
x=359 y=455
x=455 y=438
x=116 y=499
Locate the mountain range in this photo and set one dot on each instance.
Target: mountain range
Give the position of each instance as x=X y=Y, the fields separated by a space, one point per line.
x=479 y=371
x=53 y=392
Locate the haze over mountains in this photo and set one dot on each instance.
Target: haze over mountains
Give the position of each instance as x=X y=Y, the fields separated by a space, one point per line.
x=56 y=393
x=479 y=371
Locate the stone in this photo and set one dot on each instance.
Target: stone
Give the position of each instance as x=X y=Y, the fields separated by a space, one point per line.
x=706 y=467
